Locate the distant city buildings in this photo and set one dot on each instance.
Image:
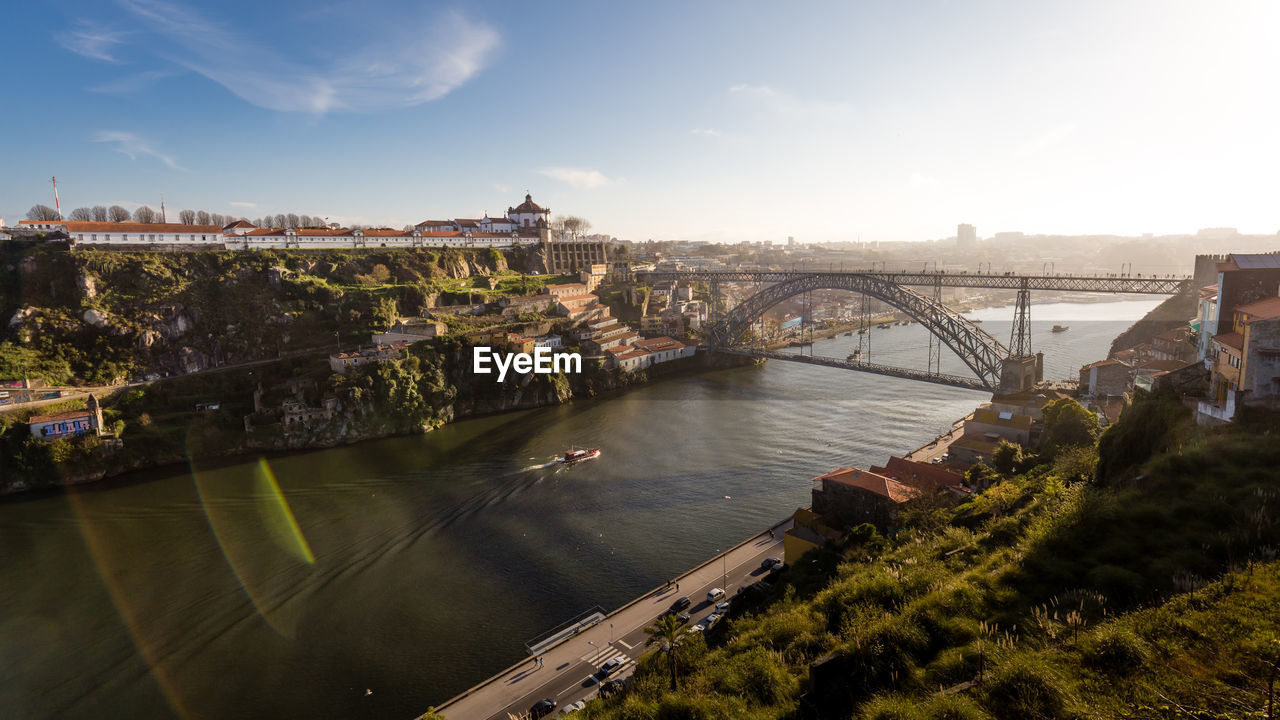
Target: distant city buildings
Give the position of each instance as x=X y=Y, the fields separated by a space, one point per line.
x=966 y=235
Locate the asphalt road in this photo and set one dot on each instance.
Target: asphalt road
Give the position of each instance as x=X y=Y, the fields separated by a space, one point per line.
x=567 y=668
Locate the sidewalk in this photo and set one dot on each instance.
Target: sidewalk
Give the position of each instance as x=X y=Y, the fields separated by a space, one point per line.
x=565 y=666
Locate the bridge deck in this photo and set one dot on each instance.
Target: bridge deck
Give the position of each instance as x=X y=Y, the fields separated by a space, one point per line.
x=971 y=383
x=1064 y=283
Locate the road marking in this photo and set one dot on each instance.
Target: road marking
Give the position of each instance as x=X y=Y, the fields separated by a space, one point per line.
x=623 y=644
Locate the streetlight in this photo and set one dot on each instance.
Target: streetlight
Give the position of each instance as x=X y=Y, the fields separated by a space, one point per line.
x=610 y=633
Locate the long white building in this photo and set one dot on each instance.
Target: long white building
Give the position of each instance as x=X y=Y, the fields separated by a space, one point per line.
x=525 y=224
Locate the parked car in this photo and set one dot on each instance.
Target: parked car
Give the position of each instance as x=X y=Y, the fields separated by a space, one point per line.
x=723 y=607
x=769 y=562
x=683 y=618
x=715 y=595
x=710 y=621
x=573 y=707
x=542 y=708
x=681 y=604
x=610 y=687
x=777 y=567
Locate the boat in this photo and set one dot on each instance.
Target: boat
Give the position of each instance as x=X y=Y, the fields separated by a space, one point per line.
x=862 y=331
x=574 y=455
x=975 y=320
x=1060 y=328
x=854 y=356
x=850 y=333
x=884 y=326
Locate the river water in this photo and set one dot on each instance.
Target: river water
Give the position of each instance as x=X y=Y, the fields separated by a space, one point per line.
x=377 y=579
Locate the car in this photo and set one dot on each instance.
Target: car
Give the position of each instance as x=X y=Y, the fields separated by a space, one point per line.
x=610 y=687
x=681 y=604
x=770 y=562
x=573 y=707
x=715 y=595
x=612 y=666
x=777 y=567
x=542 y=708
x=699 y=627
x=723 y=607
x=683 y=618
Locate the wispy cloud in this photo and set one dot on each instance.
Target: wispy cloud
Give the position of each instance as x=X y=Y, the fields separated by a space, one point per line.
x=243 y=204
x=95 y=43
x=705 y=131
x=1053 y=136
x=413 y=62
x=576 y=177
x=133 y=83
x=756 y=91
x=130 y=144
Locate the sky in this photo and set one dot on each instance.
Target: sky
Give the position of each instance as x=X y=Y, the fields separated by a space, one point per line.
x=718 y=121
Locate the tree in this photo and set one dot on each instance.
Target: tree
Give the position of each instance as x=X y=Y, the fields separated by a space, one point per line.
x=116 y=213
x=1066 y=424
x=187 y=217
x=99 y=213
x=145 y=214
x=42 y=212
x=386 y=312
x=669 y=630
x=292 y=220
x=81 y=214
x=306 y=221
x=218 y=219
x=1006 y=458
x=202 y=218
x=573 y=225
x=279 y=220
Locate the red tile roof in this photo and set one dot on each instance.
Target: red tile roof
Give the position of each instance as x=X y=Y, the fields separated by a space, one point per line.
x=1262 y=309
x=910 y=471
x=528 y=206
x=1232 y=340
x=872 y=482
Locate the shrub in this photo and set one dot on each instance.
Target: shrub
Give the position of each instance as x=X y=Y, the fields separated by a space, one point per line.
x=1023 y=690
x=892 y=707
x=1114 y=651
x=954 y=707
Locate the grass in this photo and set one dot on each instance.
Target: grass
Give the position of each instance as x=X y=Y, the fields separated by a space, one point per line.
x=1150 y=594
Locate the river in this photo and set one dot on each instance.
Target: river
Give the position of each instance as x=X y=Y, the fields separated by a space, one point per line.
x=377 y=579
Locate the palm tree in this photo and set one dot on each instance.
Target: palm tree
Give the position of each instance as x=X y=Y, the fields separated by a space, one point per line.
x=667 y=629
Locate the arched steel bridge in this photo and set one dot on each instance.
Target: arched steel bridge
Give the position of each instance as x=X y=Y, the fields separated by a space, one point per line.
x=982 y=353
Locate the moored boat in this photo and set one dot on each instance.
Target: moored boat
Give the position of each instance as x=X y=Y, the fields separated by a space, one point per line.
x=1061 y=328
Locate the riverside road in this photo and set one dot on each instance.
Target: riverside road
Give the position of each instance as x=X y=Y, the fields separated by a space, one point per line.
x=566 y=669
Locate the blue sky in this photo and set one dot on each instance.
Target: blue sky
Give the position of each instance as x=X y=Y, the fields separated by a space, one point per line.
x=665 y=120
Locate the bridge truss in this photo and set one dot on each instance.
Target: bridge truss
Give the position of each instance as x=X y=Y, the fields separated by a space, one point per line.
x=981 y=352
x=1060 y=283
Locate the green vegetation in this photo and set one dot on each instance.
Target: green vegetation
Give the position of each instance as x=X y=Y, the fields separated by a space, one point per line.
x=1150 y=592
x=98 y=317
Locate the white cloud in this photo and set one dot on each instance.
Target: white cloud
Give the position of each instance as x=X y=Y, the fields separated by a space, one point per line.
x=576 y=177
x=408 y=64
x=243 y=204
x=130 y=144
x=133 y=83
x=920 y=180
x=705 y=131
x=92 y=42
x=756 y=91
x=1053 y=136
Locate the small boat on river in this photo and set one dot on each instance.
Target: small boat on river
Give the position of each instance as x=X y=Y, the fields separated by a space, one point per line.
x=574 y=455
x=1061 y=328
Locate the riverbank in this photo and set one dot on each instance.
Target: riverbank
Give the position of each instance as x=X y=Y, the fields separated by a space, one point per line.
x=295 y=405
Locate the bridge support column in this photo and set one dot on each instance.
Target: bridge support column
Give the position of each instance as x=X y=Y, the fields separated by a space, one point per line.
x=1019 y=372
x=1020 y=338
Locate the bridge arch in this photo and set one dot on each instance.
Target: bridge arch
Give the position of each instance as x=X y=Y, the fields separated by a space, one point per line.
x=978 y=349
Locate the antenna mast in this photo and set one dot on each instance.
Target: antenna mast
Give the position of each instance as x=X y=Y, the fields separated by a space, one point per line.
x=56 y=203
x=162 y=220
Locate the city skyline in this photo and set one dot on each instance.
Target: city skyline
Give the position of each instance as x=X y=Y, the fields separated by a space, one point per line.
x=828 y=123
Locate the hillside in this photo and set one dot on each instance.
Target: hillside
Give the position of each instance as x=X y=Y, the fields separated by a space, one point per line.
x=1172 y=313
x=101 y=317
x=1146 y=592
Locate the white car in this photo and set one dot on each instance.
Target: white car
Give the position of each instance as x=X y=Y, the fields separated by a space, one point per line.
x=573 y=707
x=722 y=608
x=715 y=595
